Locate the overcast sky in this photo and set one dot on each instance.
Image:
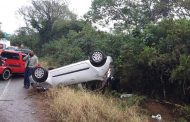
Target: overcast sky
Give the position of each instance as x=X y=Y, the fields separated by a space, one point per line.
x=11 y=21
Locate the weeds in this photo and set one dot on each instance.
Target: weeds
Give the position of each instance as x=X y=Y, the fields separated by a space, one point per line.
x=68 y=105
x=186 y=111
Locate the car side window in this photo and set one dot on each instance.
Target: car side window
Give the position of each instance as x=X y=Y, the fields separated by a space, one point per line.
x=8 y=55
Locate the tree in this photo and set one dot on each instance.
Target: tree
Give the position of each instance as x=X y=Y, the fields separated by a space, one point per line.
x=181 y=72
x=182 y=8
x=62 y=28
x=27 y=37
x=43 y=14
x=62 y=52
x=130 y=14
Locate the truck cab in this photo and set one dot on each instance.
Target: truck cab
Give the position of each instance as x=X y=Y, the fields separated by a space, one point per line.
x=14 y=64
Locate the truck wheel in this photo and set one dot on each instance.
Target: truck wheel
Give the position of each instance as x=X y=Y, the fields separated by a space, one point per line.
x=98 y=58
x=39 y=74
x=6 y=75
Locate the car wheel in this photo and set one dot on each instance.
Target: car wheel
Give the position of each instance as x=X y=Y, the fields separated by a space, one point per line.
x=39 y=74
x=97 y=58
x=6 y=75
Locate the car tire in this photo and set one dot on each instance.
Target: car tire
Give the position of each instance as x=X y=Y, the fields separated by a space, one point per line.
x=6 y=75
x=39 y=74
x=98 y=58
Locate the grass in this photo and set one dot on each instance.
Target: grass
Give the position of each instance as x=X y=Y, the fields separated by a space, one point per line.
x=186 y=111
x=71 y=105
x=46 y=63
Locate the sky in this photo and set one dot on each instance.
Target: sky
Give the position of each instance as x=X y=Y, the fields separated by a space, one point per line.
x=11 y=20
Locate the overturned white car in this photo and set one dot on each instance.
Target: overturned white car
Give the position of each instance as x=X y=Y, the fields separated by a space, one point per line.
x=96 y=68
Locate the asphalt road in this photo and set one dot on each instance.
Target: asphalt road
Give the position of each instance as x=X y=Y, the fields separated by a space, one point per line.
x=15 y=102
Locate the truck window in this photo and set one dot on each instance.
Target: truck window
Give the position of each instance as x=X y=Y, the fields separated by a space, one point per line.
x=9 y=55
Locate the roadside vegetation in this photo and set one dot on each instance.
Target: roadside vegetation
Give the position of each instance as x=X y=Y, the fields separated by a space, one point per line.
x=149 y=42
x=70 y=105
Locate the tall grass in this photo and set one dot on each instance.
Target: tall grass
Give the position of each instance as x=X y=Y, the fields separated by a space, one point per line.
x=69 y=105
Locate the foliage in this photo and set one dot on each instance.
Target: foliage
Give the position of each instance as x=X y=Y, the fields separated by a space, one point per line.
x=42 y=15
x=181 y=73
x=156 y=57
x=186 y=111
x=25 y=37
x=182 y=120
x=62 y=53
x=130 y=14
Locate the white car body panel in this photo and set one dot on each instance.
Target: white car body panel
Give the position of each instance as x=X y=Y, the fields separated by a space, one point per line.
x=78 y=72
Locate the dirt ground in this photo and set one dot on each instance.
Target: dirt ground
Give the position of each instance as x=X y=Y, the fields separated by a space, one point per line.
x=168 y=111
x=40 y=102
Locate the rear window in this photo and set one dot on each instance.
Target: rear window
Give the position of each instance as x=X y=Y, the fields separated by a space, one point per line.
x=9 y=55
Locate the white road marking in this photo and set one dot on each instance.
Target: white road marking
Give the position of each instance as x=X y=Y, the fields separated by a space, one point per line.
x=4 y=91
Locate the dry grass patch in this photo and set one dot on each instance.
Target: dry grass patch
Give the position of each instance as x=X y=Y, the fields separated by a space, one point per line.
x=70 y=105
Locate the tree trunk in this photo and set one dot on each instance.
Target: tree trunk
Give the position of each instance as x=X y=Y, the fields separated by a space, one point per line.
x=164 y=89
x=184 y=87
